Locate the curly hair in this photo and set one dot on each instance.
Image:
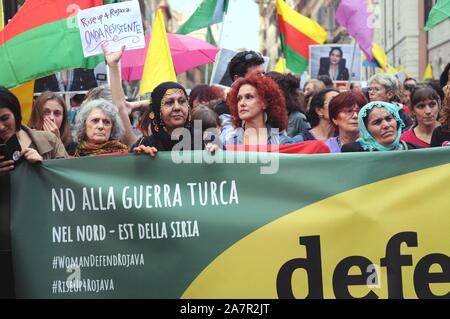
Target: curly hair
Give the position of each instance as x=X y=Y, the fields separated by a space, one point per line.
x=268 y=91
x=205 y=93
x=109 y=110
x=37 y=115
x=445 y=113
x=444 y=78
x=290 y=85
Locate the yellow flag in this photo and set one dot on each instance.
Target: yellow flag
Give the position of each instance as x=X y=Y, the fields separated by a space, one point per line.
x=24 y=94
x=391 y=70
x=158 y=66
x=281 y=65
x=428 y=73
x=1 y=15
x=379 y=55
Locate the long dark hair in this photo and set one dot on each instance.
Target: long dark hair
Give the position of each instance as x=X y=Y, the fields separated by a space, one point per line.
x=290 y=85
x=444 y=76
x=10 y=102
x=317 y=102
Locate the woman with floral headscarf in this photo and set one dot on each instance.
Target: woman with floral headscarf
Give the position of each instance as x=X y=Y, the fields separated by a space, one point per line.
x=169 y=111
x=380 y=127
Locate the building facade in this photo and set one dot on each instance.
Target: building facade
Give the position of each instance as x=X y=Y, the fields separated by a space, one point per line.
x=400 y=31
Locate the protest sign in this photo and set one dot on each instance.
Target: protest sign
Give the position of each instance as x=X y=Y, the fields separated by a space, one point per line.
x=114 y=24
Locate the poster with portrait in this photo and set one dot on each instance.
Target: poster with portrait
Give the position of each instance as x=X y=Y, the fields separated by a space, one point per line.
x=220 y=74
x=334 y=60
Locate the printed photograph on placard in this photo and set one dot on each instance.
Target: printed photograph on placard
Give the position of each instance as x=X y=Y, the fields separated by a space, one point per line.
x=334 y=60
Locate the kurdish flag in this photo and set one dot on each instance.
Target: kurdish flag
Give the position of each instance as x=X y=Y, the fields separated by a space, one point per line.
x=297 y=33
x=41 y=39
x=209 y=12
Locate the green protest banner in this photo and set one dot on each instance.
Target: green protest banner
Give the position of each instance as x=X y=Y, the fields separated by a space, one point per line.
x=322 y=226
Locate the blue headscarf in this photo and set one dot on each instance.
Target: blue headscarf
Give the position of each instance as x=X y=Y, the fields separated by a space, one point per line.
x=366 y=140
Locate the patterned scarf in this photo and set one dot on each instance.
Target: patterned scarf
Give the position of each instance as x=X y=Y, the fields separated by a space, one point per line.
x=90 y=149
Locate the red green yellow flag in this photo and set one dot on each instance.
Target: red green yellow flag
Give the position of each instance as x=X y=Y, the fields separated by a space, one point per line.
x=41 y=39
x=297 y=33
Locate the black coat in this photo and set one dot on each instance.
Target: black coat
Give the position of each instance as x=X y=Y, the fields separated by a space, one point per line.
x=342 y=75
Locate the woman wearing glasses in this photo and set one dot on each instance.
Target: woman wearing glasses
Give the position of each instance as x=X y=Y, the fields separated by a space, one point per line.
x=384 y=87
x=380 y=129
x=343 y=112
x=425 y=104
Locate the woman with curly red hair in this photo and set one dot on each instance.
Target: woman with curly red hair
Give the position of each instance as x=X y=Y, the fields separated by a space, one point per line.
x=258 y=113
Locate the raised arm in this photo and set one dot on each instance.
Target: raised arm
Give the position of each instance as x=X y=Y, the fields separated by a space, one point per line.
x=118 y=95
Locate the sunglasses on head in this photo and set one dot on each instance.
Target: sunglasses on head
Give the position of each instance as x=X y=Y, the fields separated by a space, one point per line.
x=252 y=55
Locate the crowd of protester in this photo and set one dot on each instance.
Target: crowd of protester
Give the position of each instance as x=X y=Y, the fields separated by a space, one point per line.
x=259 y=110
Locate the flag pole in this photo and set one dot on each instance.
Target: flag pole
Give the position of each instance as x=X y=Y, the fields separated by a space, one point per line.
x=220 y=47
x=351 y=66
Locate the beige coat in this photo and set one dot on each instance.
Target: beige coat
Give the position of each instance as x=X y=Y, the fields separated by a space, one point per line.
x=47 y=144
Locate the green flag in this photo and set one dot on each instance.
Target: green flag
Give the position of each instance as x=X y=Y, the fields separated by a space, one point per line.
x=438 y=13
x=208 y=13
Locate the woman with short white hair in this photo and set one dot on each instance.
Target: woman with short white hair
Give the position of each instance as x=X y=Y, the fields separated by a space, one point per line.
x=98 y=130
x=384 y=88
